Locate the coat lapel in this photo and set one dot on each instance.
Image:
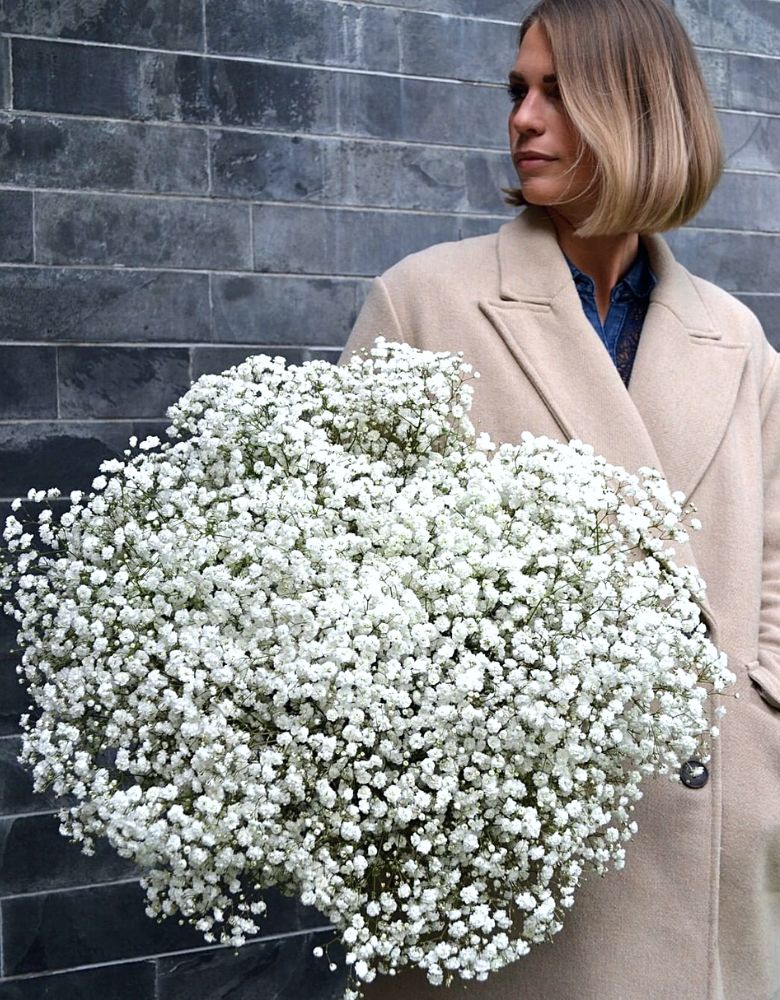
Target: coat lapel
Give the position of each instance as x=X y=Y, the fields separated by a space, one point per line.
x=685 y=378
x=686 y=374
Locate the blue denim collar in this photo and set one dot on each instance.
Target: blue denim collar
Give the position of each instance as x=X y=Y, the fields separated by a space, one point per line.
x=639 y=280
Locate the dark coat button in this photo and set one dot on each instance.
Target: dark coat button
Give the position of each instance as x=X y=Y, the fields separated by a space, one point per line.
x=694 y=774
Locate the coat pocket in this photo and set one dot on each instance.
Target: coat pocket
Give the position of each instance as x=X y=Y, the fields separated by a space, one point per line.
x=767 y=683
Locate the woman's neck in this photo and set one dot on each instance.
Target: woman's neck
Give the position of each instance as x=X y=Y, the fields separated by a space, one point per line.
x=605 y=259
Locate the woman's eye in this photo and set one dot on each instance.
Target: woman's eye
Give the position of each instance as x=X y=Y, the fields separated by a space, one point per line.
x=517 y=93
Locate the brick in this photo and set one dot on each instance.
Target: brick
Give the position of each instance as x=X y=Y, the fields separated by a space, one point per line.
x=16 y=787
x=173 y=24
x=215 y=360
x=749 y=25
x=80 y=79
x=121 y=382
x=423 y=110
x=28 y=383
x=36 y=857
x=743 y=201
x=767 y=309
x=308 y=31
x=313 y=240
x=357 y=172
x=103 y=304
x=380 y=32
x=16 y=231
x=259 y=971
x=142 y=231
x=273 y=309
x=67 y=455
x=753 y=84
x=737 y=262
x=125 y=981
x=752 y=141
x=106 y=923
x=260 y=95
x=110 y=156
x=456 y=48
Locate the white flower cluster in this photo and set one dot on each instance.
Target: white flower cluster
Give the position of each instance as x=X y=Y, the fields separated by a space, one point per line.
x=328 y=639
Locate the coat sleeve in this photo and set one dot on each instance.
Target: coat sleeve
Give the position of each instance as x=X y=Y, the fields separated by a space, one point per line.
x=377 y=318
x=766 y=673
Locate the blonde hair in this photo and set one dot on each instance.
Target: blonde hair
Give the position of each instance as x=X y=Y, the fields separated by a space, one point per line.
x=632 y=87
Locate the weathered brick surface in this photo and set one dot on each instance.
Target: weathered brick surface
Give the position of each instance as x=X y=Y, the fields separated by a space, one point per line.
x=172 y=24
x=316 y=240
x=103 y=304
x=140 y=231
x=279 y=309
x=49 y=152
x=184 y=183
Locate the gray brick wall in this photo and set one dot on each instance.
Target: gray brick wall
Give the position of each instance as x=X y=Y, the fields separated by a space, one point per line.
x=183 y=182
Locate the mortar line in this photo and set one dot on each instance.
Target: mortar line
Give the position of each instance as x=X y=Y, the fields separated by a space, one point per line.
x=204 y=54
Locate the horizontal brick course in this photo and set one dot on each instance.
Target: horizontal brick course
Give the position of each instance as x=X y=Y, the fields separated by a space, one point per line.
x=274 y=309
x=121 y=382
x=358 y=172
x=737 y=262
x=100 y=155
x=174 y=24
x=65 y=454
x=743 y=201
x=125 y=981
x=103 y=305
x=104 y=923
x=362 y=37
x=140 y=231
x=34 y=856
x=315 y=241
x=259 y=971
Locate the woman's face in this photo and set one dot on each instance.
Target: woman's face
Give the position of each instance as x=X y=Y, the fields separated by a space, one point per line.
x=539 y=123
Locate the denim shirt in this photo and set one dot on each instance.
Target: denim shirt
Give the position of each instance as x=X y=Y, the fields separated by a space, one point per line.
x=628 y=306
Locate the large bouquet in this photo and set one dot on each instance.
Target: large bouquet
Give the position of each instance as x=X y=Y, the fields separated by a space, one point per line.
x=327 y=639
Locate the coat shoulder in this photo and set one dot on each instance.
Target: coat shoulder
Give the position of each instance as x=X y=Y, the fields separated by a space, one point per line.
x=738 y=321
x=739 y=324
x=469 y=260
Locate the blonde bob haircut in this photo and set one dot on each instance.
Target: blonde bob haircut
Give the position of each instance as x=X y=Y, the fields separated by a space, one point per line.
x=632 y=87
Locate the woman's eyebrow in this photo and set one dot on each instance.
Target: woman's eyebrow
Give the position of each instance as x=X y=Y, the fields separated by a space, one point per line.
x=515 y=76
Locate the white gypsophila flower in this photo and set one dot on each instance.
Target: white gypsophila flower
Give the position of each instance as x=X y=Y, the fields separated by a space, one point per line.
x=326 y=638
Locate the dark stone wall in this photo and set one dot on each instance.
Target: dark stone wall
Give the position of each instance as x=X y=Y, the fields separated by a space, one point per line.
x=183 y=182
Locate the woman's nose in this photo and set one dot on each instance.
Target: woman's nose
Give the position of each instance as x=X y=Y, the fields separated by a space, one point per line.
x=528 y=116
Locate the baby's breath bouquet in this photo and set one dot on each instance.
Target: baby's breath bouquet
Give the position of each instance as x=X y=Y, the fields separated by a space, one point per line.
x=328 y=639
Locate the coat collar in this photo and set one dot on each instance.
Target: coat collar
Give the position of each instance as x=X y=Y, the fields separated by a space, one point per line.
x=685 y=377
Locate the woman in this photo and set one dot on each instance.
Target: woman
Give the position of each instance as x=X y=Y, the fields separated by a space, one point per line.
x=582 y=324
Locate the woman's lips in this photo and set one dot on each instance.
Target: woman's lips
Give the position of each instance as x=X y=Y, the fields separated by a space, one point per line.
x=532 y=163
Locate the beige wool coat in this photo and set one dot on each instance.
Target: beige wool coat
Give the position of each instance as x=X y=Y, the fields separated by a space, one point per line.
x=695 y=915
